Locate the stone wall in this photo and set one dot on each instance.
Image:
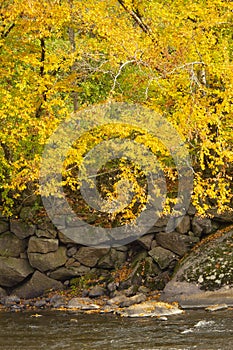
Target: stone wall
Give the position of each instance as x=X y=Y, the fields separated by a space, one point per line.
x=35 y=257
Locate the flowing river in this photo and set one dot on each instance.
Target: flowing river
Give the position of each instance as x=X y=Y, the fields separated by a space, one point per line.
x=68 y=330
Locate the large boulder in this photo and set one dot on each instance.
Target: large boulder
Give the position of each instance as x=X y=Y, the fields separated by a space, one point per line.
x=48 y=261
x=205 y=276
x=10 y=245
x=37 y=286
x=13 y=271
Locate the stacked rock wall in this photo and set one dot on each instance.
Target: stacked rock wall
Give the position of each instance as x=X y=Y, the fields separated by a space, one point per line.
x=35 y=257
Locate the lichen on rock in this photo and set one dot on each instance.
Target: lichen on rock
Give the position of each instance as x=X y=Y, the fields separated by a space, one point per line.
x=206 y=274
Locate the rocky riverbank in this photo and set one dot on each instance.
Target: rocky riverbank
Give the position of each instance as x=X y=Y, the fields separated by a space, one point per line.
x=139 y=305
x=35 y=259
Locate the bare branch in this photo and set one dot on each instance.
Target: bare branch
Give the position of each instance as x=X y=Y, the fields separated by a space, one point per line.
x=137 y=18
x=119 y=72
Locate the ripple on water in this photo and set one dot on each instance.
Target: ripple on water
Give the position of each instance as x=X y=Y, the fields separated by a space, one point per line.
x=54 y=330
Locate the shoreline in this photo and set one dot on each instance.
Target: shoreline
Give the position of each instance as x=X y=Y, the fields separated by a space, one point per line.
x=139 y=305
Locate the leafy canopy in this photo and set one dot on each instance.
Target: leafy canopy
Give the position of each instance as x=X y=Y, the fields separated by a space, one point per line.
x=60 y=56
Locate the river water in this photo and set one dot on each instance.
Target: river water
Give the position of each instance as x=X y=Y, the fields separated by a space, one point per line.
x=68 y=330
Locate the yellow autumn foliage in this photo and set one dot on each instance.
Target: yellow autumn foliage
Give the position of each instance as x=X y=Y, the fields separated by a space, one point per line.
x=59 y=57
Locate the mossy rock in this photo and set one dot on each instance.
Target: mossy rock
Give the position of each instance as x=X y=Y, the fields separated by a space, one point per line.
x=208 y=268
x=210 y=264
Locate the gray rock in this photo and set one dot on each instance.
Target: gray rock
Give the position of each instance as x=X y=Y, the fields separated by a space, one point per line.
x=59 y=221
x=64 y=273
x=45 y=234
x=114 y=258
x=11 y=300
x=162 y=257
x=179 y=288
x=136 y=299
x=112 y=286
x=38 y=285
x=48 y=261
x=146 y=241
x=201 y=226
x=89 y=256
x=144 y=290
x=72 y=262
x=162 y=222
x=131 y=291
x=21 y=229
x=207 y=272
x=150 y=309
x=122 y=248
x=82 y=304
x=160 y=225
x=57 y=301
x=117 y=300
x=64 y=239
x=71 y=251
x=40 y=303
x=183 y=225
x=46 y=229
x=4 y=226
x=97 y=291
x=13 y=271
x=196 y=229
x=42 y=245
x=154 y=244
x=191 y=210
x=201 y=299
x=227 y=216
x=10 y=245
x=175 y=242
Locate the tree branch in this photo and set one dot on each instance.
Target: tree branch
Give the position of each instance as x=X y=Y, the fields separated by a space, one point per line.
x=138 y=19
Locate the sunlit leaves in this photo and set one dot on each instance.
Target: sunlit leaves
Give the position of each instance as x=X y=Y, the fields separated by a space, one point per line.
x=172 y=56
